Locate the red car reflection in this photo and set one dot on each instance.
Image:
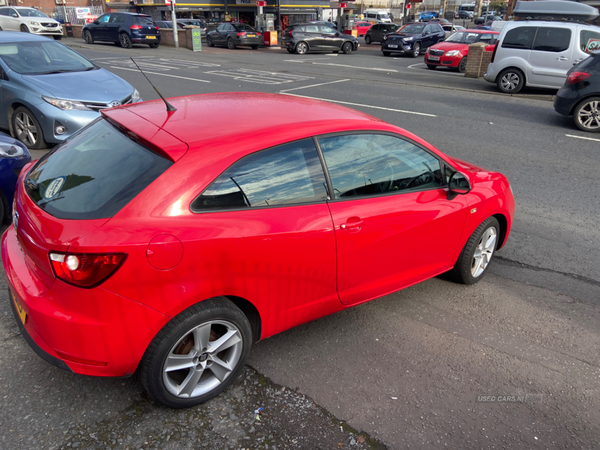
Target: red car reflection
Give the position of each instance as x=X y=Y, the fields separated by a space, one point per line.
x=454 y=50
x=168 y=242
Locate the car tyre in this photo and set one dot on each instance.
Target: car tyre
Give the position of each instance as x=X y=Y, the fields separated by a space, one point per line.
x=368 y=40
x=27 y=129
x=347 y=48
x=386 y=53
x=124 y=40
x=475 y=258
x=431 y=66
x=24 y=28
x=416 y=51
x=462 y=65
x=587 y=115
x=254 y=47
x=290 y=50
x=301 y=48
x=230 y=44
x=155 y=45
x=87 y=37
x=57 y=38
x=209 y=41
x=209 y=342
x=510 y=81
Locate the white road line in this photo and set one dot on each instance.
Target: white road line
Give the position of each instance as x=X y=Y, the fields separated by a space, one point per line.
x=313 y=85
x=343 y=65
x=162 y=74
x=582 y=137
x=365 y=106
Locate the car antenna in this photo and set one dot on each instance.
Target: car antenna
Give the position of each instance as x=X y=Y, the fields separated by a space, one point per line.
x=170 y=107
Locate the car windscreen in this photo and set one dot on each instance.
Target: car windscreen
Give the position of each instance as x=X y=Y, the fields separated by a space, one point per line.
x=143 y=20
x=243 y=27
x=411 y=29
x=94 y=174
x=463 y=37
x=31 y=13
x=42 y=57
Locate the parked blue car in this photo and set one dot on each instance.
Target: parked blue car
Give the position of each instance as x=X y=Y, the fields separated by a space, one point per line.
x=13 y=157
x=48 y=91
x=427 y=16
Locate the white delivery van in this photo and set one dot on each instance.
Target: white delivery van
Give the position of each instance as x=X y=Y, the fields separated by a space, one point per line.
x=376 y=15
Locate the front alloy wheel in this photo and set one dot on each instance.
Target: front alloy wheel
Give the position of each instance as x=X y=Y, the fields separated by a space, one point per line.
x=301 y=48
x=587 y=115
x=416 y=51
x=27 y=129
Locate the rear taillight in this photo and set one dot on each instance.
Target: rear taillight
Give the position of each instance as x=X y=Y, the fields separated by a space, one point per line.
x=258 y=34
x=243 y=33
x=494 y=53
x=156 y=27
x=576 y=77
x=85 y=269
x=135 y=27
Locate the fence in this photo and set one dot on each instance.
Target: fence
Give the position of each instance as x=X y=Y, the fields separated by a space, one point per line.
x=71 y=13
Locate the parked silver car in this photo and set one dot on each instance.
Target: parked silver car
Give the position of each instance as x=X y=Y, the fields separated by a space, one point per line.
x=48 y=91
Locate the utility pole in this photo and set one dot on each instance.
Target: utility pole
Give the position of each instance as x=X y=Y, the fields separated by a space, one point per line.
x=175 y=31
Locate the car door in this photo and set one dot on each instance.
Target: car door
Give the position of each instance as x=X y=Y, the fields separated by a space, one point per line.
x=113 y=26
x=3 y=17
x=99 y=27
x=394 y=224
x=550 y=56
x=266 y=221
x=331 y=39
x=12 y=21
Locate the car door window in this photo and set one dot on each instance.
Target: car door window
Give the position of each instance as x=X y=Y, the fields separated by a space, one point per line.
x=284 y=175
x=428 y=29
x=589 y=41
x=486 y=38
x=104 y=19
x=328 y=31
x=376 y=164
x=3 y=11
x=521 y=37
x=554 y=40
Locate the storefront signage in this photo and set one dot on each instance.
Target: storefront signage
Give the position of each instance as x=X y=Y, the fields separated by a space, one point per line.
x=82 y=13
x=246 y=2
x=261 y=3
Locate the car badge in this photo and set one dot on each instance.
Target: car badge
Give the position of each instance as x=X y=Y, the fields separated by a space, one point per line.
x=54 y=187
x=114 y=103
x=16 y=221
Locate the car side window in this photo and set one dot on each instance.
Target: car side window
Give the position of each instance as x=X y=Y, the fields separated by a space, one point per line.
x=521 y=37
x=284 y=175
x=3 y=11
x=486 y=38
x=221 y=27
x=328 y=30
x=552 y=39
x=428 y=29
x=311 y=29
x=105 y=18
x=12 y=12
x=375 y=164
x=589 y=41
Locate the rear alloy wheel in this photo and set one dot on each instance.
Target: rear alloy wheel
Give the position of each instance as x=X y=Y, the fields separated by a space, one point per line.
x=347 y=48
x=416 y=51
x=462 y=65
x=24 y=28
x=477 y=254
x=197 y=355
x=230 y=44
x=368 y=40
x=301 y=48
x=587 y=115
x=209 y=41
x=124 y=40
x=87 y=37
x=510 y=81
x=27 y=129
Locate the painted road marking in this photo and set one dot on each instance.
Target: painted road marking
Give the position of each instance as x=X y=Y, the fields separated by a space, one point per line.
x=340 y=65
x=158 y=73
x=161 y=64
x=313 y=85
x=365 y=106
x=423 y=66
x=259 y=76
x=582 y=137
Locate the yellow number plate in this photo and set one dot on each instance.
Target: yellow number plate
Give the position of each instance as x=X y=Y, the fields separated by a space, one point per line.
x=20 y=310
x=150 y=37
x=251 y=35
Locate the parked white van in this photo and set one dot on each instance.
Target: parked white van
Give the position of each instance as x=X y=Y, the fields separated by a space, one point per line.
x=376 y=15
x=538 y=53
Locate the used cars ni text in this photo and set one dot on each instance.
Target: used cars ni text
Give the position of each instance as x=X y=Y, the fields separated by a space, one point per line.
x=146 y=244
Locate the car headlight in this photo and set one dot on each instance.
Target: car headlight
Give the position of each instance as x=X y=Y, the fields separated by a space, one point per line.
x=453 y=53
x=10 y=150
x=408 y=39
x=35 y=24
x=135 y=97
x=66 y=105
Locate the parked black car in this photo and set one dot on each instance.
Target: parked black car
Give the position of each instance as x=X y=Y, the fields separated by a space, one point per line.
x=234 y=35
x=167 y=24
x=487 y=18
x=195 y=22
x=465 y=14
x=378 y=31
x=580 y=95
x=313 y=37
x=412 y=38
x=123 y=28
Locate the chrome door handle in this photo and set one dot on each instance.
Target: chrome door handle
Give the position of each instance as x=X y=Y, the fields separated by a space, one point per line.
x=562 y=58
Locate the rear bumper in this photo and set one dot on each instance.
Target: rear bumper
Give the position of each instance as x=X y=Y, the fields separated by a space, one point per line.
x=565 y=101
x=88 y=331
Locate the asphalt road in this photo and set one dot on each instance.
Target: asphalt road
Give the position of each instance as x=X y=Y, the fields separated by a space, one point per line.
x=509 y=363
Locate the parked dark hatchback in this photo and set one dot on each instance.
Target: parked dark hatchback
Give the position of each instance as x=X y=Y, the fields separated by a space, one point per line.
x=378 y=31
x=123 y=28
x=313 y=37
x=234 y=35
x=412 y=38
x=580 y=95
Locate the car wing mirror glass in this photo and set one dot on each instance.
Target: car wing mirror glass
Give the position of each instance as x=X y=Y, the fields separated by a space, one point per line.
x=458 y=184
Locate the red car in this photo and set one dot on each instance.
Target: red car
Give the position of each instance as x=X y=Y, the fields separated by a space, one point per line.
x=167 y=242
x=362 y=27
x=454 y=50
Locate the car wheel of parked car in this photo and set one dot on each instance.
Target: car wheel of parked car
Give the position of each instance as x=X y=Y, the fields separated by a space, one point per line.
x=290 y=50
x=24 y=28
x=587 y=115
x=87 y=37
x=57 y=38
x=431 y=66
x=477 y=253
x=27 y=129
x=510 y=81
x=254 y=47
x=386 y=53
x=301 y=48
x=197 y=355
x=368 y=40
x=416 y=49
x=125 y=40
x=347 y=48
x=230 y=44
x=462 y=65
x=155 y=45
x=209 y=41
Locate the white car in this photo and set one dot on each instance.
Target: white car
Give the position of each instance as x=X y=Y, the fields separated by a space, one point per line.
x=29 y=20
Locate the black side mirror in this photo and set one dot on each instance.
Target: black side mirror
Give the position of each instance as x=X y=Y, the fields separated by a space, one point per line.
x=458 y=184
x=96 y=22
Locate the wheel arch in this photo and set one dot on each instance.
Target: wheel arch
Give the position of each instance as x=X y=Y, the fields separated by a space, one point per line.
x=581 y=100
x=251 y=313
x=503 y=231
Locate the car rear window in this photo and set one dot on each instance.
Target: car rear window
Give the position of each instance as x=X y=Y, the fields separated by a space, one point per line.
x=94 y=174
x=142 y=20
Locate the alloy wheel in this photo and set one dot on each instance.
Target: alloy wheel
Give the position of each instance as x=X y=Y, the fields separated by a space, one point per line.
x=510 y=81
x=26 y=129
x=588 y=115
x=483 y=252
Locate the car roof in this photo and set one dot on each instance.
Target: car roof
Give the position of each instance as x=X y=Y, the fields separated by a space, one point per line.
x=254 y=121
x=17 y=36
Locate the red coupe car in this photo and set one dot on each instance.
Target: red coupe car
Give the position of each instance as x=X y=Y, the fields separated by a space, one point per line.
x=167 y=242
x=362 y=27
x=454 y=50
